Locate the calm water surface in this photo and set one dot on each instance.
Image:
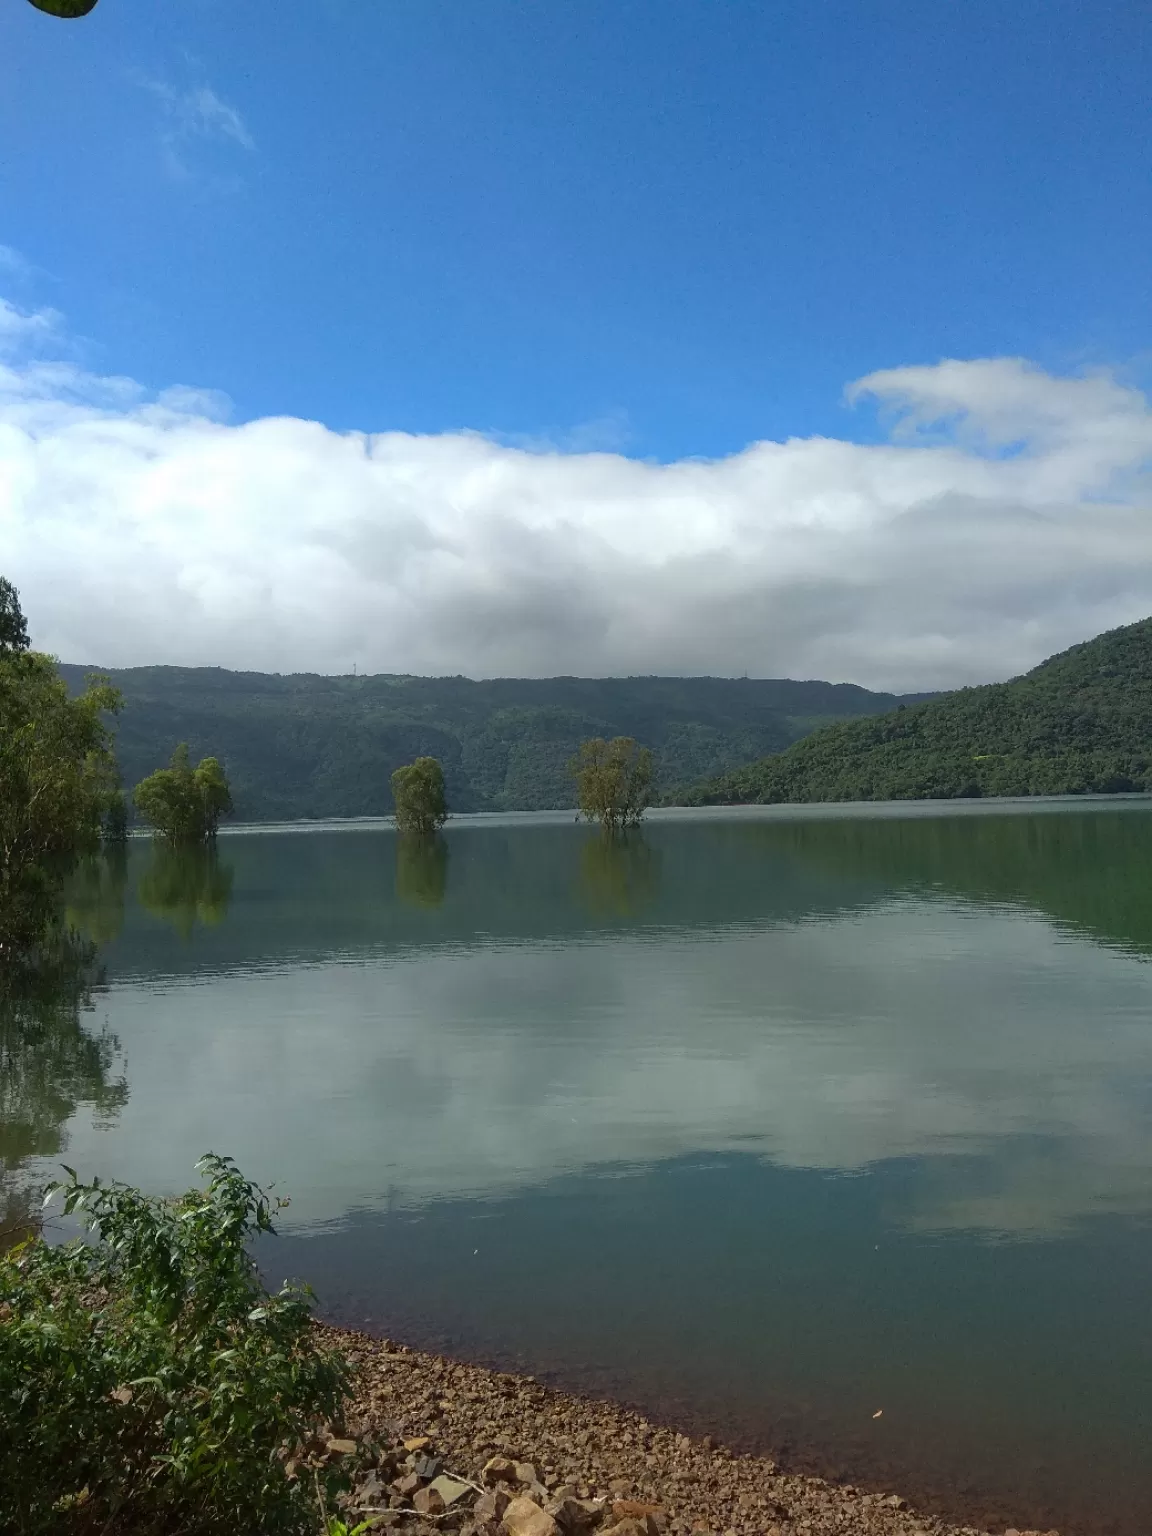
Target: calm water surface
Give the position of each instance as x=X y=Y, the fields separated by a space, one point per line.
x=767 y=1120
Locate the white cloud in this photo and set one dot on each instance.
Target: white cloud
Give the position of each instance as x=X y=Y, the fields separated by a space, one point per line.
x=1007 y=516
x=195 y=116
x=205 y=113
x=26 y=330
x=13 y=263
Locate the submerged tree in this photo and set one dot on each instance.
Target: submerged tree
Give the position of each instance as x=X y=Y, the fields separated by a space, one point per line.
x=418 y=791
x=182 y=803
x=613 y=782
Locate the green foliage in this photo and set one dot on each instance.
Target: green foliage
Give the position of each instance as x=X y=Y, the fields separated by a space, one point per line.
x=186 y=884
x=13 y=625
x=182 y=803
x=418 y=795
x=115 y=827
x=613 y=782
x=304 y=746
x=148 y=1382
x=421 y=869
x=57 y=773
x=1081 y=723
x=69 y=10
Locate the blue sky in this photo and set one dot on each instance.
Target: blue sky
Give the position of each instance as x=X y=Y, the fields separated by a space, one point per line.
x=673 y=226
x=498 y=337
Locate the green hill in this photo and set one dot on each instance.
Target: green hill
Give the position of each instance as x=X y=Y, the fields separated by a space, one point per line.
x=1079 y=723
x=306 y=745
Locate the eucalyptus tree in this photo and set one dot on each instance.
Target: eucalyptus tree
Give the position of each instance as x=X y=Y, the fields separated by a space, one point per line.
x=418 y=793
x=614 y=781
x=13 y=624
x=57 y=773
x=184 y=804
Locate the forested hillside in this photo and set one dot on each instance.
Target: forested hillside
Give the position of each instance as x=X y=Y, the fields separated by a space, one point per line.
x=1080 y=722
x=306 y=745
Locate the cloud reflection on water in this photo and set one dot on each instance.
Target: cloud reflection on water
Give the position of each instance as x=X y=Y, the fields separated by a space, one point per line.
x=1014 y=1061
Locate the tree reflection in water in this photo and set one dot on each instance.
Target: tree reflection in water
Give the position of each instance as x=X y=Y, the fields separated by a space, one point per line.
x=619 y=874
x=94 y=894
x=421 y=868
x=50 y=1063
x=186 y=886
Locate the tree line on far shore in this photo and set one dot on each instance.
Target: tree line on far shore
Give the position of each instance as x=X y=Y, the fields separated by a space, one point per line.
x=1078 y=724
x=61 y=794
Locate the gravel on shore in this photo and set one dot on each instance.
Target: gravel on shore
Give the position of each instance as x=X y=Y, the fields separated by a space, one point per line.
x=444 y=1446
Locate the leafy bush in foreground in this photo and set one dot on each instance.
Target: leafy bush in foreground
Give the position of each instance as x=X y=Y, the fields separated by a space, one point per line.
x=148 y=1383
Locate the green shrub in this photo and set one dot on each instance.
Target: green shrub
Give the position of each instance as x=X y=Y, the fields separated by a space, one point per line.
x=418 y=793
x=148 y=1382
x=613 y=782
x=182 y=803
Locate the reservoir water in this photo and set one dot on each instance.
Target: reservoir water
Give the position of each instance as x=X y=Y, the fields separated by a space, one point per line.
x=771 y=1121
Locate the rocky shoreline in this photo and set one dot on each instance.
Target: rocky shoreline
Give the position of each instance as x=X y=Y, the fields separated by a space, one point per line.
x=439 y=1445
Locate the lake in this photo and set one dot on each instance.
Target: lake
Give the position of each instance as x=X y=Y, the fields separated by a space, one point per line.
x=767 y=1120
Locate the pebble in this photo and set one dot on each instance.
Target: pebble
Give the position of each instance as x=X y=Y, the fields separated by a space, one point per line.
x=427 y=1501
x=498 y=1469
x=524 y=1517
x=554 y=1465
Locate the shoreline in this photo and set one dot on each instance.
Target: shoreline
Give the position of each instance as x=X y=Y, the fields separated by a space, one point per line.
x=585 y=1463
x=773 y=810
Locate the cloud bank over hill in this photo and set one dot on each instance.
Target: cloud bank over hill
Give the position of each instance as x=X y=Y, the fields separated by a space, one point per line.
x=1007 y=515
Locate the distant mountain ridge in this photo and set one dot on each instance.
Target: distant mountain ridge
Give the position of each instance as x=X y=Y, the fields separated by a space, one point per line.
x=307 y=745
x=1079 y=723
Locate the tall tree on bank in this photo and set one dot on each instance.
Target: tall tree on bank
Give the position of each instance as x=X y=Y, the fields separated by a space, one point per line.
x=13 y=624
x=613 y=782
x=182 y=803
x=418 y=793
x=57 y=774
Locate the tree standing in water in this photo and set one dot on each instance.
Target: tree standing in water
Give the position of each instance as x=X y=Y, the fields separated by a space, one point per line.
x=418 y=791
x=613 y=782
x=182 y=803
